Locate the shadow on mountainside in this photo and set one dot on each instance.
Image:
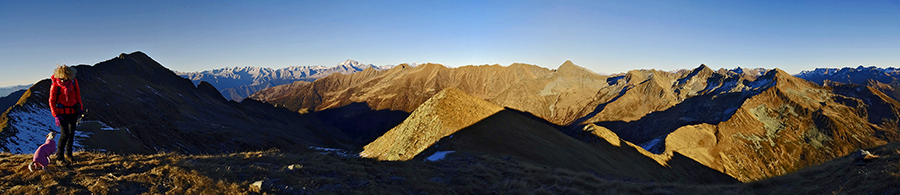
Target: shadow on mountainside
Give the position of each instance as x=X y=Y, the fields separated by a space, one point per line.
x=360 y=122
x=519 y=135
x=116 y=140
x=577 y=122
x=878 y=106
x=710 y=108
x=718 y=103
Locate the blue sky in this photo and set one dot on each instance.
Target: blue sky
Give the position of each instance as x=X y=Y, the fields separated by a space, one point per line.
x=604 y=36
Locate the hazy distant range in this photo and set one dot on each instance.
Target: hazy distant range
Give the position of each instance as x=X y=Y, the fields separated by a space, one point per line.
x=236 y=83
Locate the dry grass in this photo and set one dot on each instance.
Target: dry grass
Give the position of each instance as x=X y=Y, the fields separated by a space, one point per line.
x=309 y=172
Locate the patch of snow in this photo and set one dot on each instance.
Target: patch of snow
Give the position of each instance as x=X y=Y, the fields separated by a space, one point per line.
x=439 y=155
x=153 y=90
x=650 y=144
x=30 y=127
x=761 y=83
x=334 y=151
x=728 y=85
x=80 y=136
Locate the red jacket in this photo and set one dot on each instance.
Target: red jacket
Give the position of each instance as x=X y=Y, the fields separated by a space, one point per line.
x=67 y=94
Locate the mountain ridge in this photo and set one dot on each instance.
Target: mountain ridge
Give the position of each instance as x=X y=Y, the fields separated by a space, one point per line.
x=886 y=80
x=734 y=113
x=455 y=121
x=166 y=112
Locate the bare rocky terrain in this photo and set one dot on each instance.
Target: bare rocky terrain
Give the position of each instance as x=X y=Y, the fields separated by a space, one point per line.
x=748 y=123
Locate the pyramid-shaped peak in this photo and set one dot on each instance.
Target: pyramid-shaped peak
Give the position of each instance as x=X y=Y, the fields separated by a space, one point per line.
x=779 y=72
x=567 y=64
x=782 y=77
x=569 y=67
x=443 y=114
x=703 y=66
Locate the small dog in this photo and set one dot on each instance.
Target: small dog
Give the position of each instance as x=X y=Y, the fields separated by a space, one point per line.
x=42 y=154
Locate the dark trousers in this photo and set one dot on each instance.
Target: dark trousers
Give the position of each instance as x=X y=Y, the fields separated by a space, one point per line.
x=67 y=124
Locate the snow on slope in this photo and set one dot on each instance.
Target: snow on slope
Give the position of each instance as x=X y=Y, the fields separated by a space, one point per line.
x=859 y=75
x=439 y=155
x=31 y=126
x=261 y=75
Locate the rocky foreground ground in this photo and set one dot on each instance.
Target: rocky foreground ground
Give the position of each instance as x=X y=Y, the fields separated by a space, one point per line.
x=307 y=171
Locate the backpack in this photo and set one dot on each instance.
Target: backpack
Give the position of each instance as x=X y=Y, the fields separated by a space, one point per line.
x=75 y=108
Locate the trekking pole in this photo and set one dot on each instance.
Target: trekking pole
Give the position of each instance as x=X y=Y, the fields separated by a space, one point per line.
x=81 y=117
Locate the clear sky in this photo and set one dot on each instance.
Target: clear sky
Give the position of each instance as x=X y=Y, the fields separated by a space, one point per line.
x=604 y=36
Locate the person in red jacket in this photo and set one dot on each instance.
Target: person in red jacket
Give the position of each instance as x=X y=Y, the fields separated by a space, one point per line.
x=66 y=106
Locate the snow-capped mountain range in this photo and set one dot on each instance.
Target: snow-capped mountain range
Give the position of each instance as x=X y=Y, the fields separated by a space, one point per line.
x=4 y=91
x=236 y=83
x=859 y=75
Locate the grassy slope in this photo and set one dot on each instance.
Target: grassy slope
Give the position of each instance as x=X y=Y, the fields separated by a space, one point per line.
x=464 y=173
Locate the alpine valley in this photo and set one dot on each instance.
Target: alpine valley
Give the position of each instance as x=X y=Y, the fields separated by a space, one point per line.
x=486 y=129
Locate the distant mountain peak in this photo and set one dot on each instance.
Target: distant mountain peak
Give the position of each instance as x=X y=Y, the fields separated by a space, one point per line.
x=570 y=68
x=354 y=64
x=567 y=64
x=349 y=62
x=703 y=66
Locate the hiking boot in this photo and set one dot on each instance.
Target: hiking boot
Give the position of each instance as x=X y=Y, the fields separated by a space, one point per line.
x=61 y=163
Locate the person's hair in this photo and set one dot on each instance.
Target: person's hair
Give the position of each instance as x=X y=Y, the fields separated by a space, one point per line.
x=64 y=72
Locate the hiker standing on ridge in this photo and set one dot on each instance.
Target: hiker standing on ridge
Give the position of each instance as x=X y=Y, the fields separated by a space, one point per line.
x=65 y=104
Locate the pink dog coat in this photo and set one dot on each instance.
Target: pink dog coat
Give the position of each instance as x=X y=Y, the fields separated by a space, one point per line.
x=44 y=151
